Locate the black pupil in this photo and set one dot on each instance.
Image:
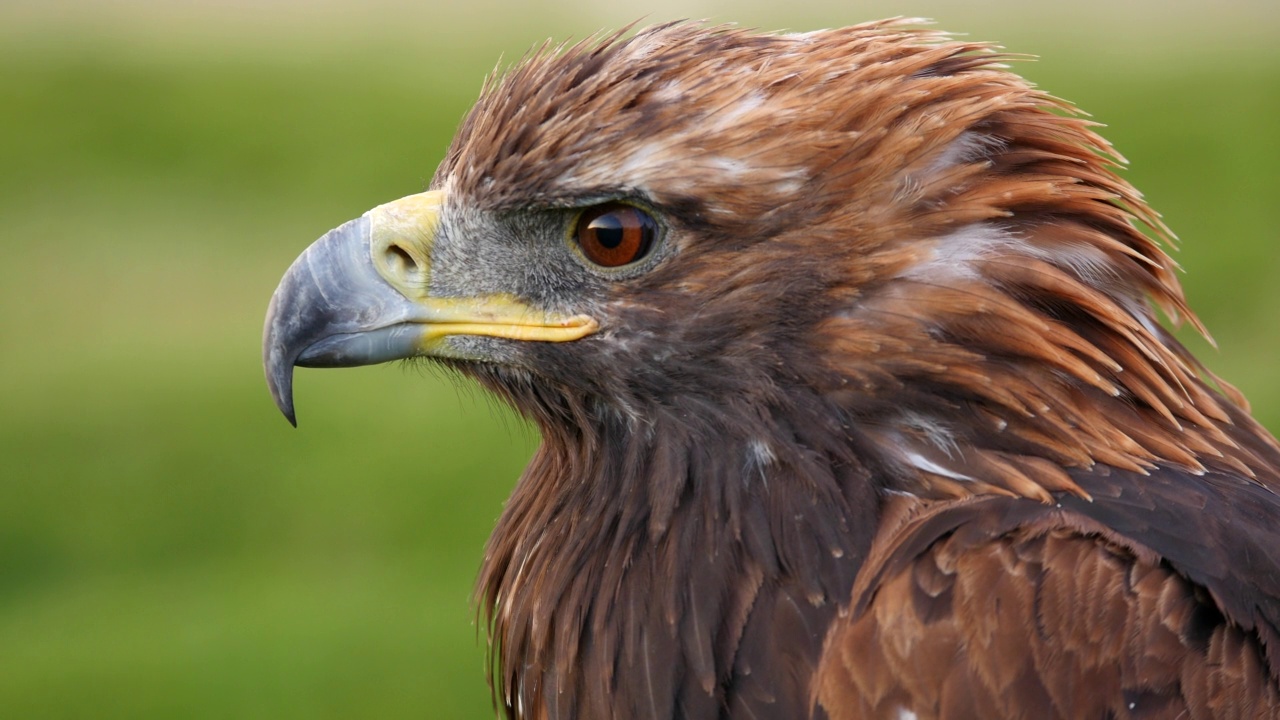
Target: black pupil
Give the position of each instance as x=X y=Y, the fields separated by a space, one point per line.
x=608 y=229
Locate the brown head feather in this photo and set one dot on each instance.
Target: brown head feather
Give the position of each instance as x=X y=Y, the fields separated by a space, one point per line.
x=991 y=256
x=897 y=258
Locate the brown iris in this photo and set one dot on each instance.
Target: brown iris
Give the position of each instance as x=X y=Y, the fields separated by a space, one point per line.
x=613 y=234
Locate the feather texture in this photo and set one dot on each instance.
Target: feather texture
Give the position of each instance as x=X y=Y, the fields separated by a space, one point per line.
x=999 y=607
x=897 y=390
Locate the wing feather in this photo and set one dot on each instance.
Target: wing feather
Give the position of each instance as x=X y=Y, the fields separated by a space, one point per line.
x=1154 y=600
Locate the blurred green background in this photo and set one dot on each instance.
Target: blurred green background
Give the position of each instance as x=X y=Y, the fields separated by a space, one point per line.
x=169 y=546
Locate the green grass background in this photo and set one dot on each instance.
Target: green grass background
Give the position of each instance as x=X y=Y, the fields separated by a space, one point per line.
x=169 y=546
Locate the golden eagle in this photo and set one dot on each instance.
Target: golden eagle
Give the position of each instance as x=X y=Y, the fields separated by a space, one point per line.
x=852 y=395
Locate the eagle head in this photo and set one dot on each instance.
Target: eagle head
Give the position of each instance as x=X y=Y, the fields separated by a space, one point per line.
x=747 y=286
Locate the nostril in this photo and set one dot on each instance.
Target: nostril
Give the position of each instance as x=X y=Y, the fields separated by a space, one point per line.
x=400 y=262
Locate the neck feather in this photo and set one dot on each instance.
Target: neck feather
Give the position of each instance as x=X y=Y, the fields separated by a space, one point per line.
x=638 y=571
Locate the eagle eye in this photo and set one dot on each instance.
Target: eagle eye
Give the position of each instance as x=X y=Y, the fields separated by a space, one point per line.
x=614 y=234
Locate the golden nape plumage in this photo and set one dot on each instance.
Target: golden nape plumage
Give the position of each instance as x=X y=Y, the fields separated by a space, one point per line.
x=853 y=399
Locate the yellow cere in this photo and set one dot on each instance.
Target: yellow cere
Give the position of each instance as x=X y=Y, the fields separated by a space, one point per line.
x=400 y=242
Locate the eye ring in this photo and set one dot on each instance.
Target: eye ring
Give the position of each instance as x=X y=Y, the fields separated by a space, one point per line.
x=615 y=234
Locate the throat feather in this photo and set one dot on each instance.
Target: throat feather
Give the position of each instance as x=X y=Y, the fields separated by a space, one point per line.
x=645 y=572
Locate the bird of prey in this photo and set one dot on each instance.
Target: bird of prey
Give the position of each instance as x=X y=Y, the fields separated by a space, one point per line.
x=853 y=398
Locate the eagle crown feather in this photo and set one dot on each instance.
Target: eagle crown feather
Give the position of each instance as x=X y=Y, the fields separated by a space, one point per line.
x=983 y=264
x=880 y=220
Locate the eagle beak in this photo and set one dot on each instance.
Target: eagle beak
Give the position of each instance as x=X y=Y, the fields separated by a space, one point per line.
x=360 y=296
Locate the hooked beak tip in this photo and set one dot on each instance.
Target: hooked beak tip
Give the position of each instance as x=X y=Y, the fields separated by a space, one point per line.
x=280 y=383
x=277 y=364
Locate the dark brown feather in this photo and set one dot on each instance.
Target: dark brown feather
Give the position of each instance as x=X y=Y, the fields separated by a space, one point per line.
x=901 y=366
x=999 y=607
